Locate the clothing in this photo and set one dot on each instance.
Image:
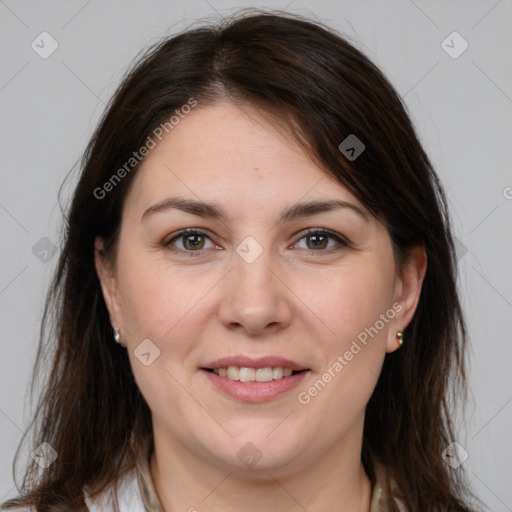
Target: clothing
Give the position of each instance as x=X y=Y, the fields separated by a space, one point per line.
x=136 y=491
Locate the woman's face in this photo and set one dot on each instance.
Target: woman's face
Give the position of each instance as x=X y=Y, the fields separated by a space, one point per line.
x=248 y=281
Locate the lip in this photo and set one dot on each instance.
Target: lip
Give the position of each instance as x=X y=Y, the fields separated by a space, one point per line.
x=254 y=391
x=249 y=362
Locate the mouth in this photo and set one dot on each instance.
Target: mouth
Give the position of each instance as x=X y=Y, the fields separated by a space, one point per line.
x=254 y=380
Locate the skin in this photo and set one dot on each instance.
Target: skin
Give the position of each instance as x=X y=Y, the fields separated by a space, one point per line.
x=295 y=300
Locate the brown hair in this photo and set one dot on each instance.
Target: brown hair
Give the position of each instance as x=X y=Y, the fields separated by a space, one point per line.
x=92 y=412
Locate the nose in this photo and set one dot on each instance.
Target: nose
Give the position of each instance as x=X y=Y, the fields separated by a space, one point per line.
x=254 y=299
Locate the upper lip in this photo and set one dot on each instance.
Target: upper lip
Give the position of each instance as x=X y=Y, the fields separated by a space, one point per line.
x=257 y=362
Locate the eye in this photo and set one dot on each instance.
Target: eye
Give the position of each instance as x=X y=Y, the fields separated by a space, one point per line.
x=319 y=241
x=189 y=241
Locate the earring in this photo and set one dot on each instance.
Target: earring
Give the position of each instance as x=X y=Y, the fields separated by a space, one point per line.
x=400 y=336
x=117 y=336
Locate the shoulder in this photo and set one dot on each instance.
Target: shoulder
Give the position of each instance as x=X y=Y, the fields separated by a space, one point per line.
x=128 y=497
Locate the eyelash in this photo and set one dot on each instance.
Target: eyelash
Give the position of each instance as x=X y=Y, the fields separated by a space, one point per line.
x=342 y=241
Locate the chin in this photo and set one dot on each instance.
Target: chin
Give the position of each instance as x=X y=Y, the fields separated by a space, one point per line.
x=257 y=455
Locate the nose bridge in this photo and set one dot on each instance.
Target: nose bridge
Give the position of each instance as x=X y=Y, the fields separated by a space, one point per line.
x=254 y=269
x=255 y=298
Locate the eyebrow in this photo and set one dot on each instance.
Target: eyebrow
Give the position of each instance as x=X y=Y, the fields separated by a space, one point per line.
x=216 y=212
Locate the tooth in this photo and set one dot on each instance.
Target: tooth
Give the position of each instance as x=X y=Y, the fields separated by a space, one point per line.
x=264 y=374
x=277 y=372
x=247 y=374
x=233 y=373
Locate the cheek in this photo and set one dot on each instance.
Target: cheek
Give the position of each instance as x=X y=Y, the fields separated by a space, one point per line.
x=155 y=299
x=163 y=305
x=355 y=305
x=350 y=300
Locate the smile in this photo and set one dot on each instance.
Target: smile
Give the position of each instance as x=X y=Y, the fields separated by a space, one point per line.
x=243 y=384
x=244 y=374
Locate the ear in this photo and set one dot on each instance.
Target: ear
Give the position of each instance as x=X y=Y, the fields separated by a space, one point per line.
x=407 y=293
x=107 y=278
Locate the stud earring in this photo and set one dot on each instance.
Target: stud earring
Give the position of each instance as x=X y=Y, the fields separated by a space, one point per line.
x=400 y=336
x=117 y=336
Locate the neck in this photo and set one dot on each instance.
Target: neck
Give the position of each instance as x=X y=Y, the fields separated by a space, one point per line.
x=336 y=480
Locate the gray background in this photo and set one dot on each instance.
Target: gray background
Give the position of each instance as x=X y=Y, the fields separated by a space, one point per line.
x=461 y=106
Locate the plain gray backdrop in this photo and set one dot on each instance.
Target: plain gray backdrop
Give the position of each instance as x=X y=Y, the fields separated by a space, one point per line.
x=459 y=98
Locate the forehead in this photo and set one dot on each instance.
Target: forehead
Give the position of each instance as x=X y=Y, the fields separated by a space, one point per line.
x=228 y=153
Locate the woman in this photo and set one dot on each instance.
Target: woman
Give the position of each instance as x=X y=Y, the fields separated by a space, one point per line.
x=255 y=307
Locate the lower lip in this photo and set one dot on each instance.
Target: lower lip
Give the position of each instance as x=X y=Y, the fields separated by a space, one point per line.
x=255 y=391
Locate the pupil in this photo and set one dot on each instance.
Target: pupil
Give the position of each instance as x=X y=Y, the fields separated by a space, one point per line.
x=320 y=245
x=195 y=243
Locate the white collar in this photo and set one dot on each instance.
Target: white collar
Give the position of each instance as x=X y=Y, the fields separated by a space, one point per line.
x=128 y=494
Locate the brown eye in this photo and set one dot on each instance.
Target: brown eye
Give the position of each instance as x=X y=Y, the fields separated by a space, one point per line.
x=192 y=242
x=317 y=241
x=322 y=241
x=188 y=242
